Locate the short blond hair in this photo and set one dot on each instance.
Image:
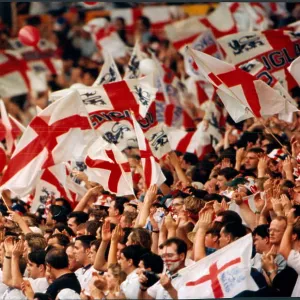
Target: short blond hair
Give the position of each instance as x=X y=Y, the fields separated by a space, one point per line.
x=193 y=204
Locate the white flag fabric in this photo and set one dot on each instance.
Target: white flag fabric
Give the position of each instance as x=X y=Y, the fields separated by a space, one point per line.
x=109 y=72
x=133 y=71
x=152 y=171
x=223 y=274
x=54 y=181
x=294 y=69
x=49 y=139
x=107 y=165
x=243 y=96
x=106 y=37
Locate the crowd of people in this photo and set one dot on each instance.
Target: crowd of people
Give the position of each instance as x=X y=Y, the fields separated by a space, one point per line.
x=135 y=247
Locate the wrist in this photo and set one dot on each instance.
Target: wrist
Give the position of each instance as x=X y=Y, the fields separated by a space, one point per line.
x=143 y=288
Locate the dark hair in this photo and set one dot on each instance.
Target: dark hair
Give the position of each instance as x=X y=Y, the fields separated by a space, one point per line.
x=134 y=252
x=141 y=236
x=86 y=240
x=61 y=227
x=236 y=230
x=261 y=230
x=92 y=227
x=62 y=239
x=119 y=204
x=57 y=259
x=79 y=216
x=59 y=213
x=230 y=216
x=93 y=72
x=181 y=245
x=153 y=261
x=169 y=177
x=37 y=257
x=96 y=243
x=66 y=204
x=210 y=197
x=256 y=150
x=228 y=173
x=145 y=21
x=126 y=231
x=190 y=158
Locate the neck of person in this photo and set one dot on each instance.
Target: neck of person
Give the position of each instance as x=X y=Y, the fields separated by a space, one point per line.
x=59 y=273
x=86 y=263
x=130 y=270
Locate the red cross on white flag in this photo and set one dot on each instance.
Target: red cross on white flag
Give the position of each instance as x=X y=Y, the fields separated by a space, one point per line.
x=223 y=274
x=152 y=171
x=242 y=94
x=61 y=132
x=107 y=165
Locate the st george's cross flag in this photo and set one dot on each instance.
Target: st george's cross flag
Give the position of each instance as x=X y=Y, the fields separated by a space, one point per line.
x=242 y=94
x=152 y=170
x=276 y=49
x=105 y=36
x=198 y=142
x=109 y=71
x=107 y=165
x=55 y=181
x=12 y=128
x=136 y=94
x=223 y=274
x=40 y=58
x=14 y=75
x=49 y=139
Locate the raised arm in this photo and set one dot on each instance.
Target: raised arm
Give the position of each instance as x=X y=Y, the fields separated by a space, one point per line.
x=17 y=252
x=286 y=242
x=92 y=193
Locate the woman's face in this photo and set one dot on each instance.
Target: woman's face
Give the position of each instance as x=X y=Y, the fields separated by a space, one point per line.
x=112 y=282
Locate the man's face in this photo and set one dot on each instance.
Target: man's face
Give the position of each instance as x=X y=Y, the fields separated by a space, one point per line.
x=92 y=254
x=251 y=161
x=72 y=224
x=33 y=270
x=124 y=263
x=120 y=247
x=221 y=180
x=210 y=240
x=177 y=205
x=224 y=239
x=276 y=231
x=80 y=252
x=112 y=212
x=261 y=244
x=73 y=264
x=171 y=258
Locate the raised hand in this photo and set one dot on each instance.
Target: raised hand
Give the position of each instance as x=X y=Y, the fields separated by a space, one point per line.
x=105 y=232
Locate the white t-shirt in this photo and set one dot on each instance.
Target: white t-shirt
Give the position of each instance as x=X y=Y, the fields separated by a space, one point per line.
x=130 y=287
x=84 y=277
x=293 y=261
x=39 y=285
x=13 y=294
x=156 y=291
x=3 y=287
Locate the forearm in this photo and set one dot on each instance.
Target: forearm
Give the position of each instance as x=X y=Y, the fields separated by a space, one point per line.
x=238 y=165
x=199 y=245
x=83 y=202
x=289 y=176
x=248 y=215
x=17 y=277
x=143 y=295
x=100 y=256
x=24 y=227
x=286 y=242
x=144 y=213
x=154 y=247
x=112 y=255
x=172 y=292
x=7 y=279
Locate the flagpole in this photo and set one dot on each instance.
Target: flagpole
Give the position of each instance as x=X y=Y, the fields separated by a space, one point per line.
x=247 y=108
x=3 y=198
